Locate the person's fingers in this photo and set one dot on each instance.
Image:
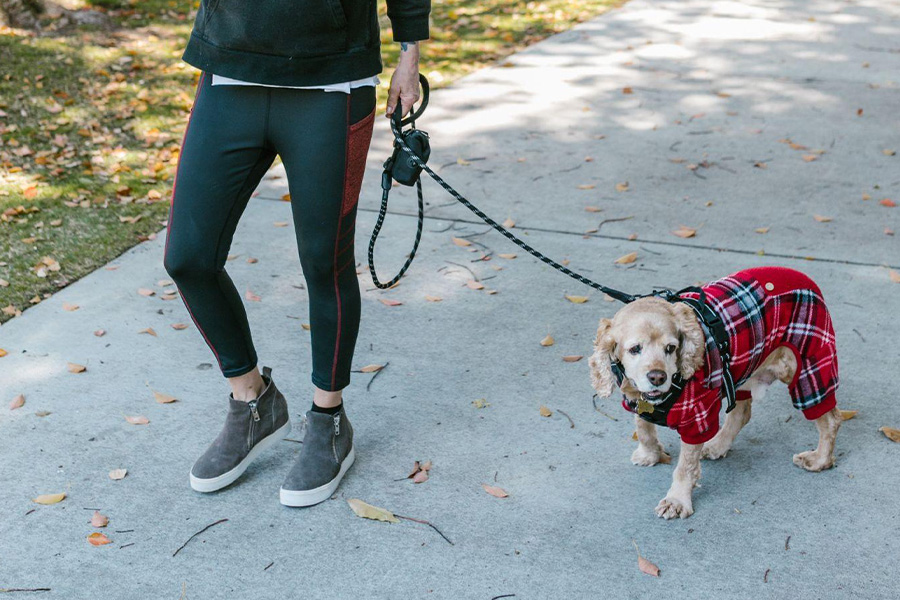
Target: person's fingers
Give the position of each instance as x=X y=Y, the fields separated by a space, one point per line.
x=407 y=101
x=393 y=97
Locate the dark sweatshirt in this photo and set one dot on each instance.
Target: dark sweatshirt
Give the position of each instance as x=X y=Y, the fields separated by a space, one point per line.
x=298 y=42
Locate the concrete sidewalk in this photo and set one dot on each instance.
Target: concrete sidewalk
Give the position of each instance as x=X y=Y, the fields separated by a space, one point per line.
x=691 y=103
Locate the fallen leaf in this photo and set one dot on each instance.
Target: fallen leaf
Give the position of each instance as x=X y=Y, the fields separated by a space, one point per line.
x=545 y=412
x=888 y=152
x=148 y=331
x=822 y=219
x=100 y=332
x=810 y=157
x=117 y=474
x=592 y=209
x=474 y=285
x=481 y=403
x=163 y=398
x=586 y=186
x=99 y=520
x=622 y=187
x=146 y=292
x=252 y=297
x=420 y=477
x=576 y=299
x=507 y=256
x=461 y=242
x=305 y=326
x=426 y=466
x=547 y=341
x=645 y=565
x=495 y=491
x=371 y=368
x=389 y=302
x=685 y=232
x=76 y=368
x=42 y=413
x=887 y=202
x=891 y=433
x=367 y=511
x=627 y=259
x=846 y=415
x=50 y=498
x=252 y=261
x=280 y=223
x=178 y=326
x=462 y=162
x=70 y=307
x=627 y=90
x=573 y=358
x=761 y=230
x=894 y=275
x=433 y=298
x=509 y=223
x=98 y=539
x=17 y=402
x=3 y=352
x=139 y=420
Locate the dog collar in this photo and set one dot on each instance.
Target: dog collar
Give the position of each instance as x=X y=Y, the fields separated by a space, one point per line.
x=656 y=413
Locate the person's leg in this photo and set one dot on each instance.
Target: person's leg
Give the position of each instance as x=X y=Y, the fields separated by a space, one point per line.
x=224 y=155
x=323 y=139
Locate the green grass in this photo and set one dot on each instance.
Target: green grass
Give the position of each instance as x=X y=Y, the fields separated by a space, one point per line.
x=93 y=123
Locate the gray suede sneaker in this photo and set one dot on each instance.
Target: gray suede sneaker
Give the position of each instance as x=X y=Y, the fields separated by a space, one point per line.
x=326 y=455
x=250 y=428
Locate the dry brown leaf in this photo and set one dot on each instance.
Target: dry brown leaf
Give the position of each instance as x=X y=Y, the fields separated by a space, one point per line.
x=761 y=230
x=367 y=511
x=894 y=275
x=420 y=477
x=179 y=326
x=891 y=433
x=137 y=420
x=481 y=403
x=280 y=223
x=117 y=474
x=647 y=567
x=47 y=499
x=463 y=162
x=433 y=298
x=461 y=242
x=545 y=412
x=371 y=368
x=163 y=398
x=627 y=259
x=586 y=186
x=495 y=491
x=251 y=296
x=148 y=331
x=146 y=292
x=627 y=90
x=70 y=307
x=592 y=209
x=76 y=368
x=810 y=157
x=42 y=413
x=17 y=402
x=822 y=219
x=509 y=223
x=507 y=256
x=685 y=232
x=887 y=202
x=3 y=352
x=547 y=341
x=98 y=520
x=888 y=152
x=576 y=299
x=100 y=332
x=474 y=285
x=389 y=302
x=573 y=358
x=252 y=261
x=622 y=187
x=846 y=415
x=98 y=539
x=305 y=326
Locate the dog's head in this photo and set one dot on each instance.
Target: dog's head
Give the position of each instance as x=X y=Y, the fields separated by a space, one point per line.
x=652 y=339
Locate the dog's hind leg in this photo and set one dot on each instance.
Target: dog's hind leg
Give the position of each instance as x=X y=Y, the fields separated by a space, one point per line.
x=719 y=446
x=823 y=456
x=649 y=451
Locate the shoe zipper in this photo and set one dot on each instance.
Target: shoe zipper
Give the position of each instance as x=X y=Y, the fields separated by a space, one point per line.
x=337 y=424
x=254 y=410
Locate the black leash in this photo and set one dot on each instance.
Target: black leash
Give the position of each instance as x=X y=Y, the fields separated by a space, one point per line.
x=411 y=152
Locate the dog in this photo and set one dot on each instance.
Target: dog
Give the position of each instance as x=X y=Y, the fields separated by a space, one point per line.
x=778 y=327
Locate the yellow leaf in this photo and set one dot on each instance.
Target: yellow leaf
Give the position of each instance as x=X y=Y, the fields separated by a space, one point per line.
x=761 y=230
x=371 y=368
x=545 y=412
x=305 y=326
x=3 y=352
x=622 y=187
x=888 y=152
x=481 y=403
x=367 y=511
x=576 y=299
x=586 y=186
x=495 y=491
x=627 y=259
x=98 y=539
x=846 y=415
x=117 y=474
x=461 y=242
x=462 y=162
x=50 y=498
x=547 y=341
x=822 y=219
x=76 y=368
x=891 y=433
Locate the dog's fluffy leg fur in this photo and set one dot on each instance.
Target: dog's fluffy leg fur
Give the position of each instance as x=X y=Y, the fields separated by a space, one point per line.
x=678 y=502
x=823 y=456
x=719 y=446
x=649 y=451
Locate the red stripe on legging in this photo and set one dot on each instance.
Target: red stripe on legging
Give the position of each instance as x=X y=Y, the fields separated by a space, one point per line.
x=171 y=212
x=337 y=291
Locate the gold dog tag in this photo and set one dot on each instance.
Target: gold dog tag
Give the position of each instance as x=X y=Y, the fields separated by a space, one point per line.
x=644 y=407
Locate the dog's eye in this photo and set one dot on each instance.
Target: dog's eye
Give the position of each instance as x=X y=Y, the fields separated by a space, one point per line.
x=671 y=348
x=636 y=349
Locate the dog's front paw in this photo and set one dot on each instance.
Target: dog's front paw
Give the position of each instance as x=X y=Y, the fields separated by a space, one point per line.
x=647 y=457
x=813 y=461
x=712 y=451
x=670 y=508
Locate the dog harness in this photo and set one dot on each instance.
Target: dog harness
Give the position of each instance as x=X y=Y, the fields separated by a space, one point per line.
x=760 y=310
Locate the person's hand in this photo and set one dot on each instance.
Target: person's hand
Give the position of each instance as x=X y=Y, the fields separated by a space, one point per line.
x=405 y=81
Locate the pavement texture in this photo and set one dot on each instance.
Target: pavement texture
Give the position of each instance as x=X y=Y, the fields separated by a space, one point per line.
x=688 y=102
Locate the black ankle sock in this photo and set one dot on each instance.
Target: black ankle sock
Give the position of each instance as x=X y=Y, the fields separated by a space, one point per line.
x=327 y=411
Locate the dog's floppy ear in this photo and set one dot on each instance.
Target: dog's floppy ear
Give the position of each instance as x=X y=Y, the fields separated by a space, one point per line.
x=601 y=369
x=693 y=347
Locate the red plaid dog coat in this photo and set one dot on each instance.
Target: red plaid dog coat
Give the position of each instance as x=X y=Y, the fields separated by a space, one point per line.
x=762 y=309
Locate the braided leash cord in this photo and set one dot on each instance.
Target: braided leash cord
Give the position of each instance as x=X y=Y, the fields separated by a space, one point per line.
x=618 y=295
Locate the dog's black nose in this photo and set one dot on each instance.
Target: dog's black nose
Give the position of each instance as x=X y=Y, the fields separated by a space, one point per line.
x=657 y=377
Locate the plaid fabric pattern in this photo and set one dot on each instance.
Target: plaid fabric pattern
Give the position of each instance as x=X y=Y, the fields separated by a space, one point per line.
x=762 y=309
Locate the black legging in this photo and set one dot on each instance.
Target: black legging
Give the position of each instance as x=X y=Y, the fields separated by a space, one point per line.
x=232 y=138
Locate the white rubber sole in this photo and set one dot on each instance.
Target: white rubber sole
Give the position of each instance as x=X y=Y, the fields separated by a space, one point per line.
x=225 y=479
x=321 y=493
